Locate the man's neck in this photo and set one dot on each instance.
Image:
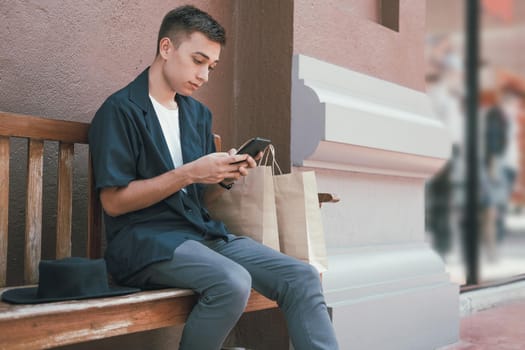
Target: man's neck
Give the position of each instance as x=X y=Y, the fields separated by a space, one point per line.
x=158 y=87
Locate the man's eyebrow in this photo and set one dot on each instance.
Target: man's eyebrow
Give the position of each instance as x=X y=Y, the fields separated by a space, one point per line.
x=204 y=55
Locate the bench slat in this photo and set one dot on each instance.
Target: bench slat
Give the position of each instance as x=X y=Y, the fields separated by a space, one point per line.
x=218 y=142
x=4 y=206
x=65 y=200
x=94 y=239
x=93 y=323
x=13 y=124
x=33 y=210
x=71 y=322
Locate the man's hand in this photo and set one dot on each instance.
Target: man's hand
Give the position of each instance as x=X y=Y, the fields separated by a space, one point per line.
x=216 y=167
x=243 y=163
x=243 y=166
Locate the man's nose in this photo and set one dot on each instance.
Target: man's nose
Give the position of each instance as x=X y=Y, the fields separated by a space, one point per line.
x=202 y=74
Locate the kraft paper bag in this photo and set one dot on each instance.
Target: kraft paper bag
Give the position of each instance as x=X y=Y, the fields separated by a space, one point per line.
x=301 y=232
x=248 y=208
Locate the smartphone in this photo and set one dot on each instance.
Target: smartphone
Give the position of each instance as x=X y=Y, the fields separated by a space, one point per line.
x=253 y=146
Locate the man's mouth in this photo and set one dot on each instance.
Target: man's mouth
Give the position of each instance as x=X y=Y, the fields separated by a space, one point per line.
x=194 y=86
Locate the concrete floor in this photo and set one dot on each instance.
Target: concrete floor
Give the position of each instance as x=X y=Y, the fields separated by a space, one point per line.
x=498 y=328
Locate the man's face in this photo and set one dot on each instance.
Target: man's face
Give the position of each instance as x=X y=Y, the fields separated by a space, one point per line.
x=188 y=66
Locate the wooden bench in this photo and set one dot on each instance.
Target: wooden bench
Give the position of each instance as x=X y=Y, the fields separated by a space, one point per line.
x=48 y=325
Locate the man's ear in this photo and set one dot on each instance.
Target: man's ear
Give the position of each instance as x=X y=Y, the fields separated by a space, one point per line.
x=164 y=47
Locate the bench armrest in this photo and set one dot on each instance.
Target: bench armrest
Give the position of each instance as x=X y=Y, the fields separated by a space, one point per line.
x=327 y=198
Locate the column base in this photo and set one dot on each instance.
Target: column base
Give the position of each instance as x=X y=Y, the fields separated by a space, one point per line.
x=391 y=297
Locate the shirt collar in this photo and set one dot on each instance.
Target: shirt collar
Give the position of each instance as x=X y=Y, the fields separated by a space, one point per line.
x=139 y=90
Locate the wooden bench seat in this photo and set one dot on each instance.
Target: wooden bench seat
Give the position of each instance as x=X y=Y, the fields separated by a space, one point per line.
x=42 y=326
x=48 y=325
x=52 y=324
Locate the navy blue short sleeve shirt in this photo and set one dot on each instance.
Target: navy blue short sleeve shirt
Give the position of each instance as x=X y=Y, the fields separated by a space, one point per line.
x=127 y=144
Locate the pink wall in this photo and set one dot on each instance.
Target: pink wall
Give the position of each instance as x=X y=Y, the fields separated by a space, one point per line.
x=345 y=33
x=62 y=59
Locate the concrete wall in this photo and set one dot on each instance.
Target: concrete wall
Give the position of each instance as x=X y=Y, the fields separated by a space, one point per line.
x=349 y=33
x=262 y=65
x=361 y=120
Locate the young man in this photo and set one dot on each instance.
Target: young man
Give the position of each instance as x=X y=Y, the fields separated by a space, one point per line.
x=155 y=167
x=501 y=165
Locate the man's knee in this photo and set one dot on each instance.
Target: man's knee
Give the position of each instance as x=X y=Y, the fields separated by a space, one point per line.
x=303 y=280
x=306 y=274
x=231 y=286
x=300 y=283
x=240 y=283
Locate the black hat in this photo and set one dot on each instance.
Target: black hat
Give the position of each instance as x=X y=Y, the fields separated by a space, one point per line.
x=67 y=279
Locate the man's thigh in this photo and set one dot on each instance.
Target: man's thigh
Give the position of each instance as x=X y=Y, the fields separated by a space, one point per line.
x=271 y=271
x=193 y=266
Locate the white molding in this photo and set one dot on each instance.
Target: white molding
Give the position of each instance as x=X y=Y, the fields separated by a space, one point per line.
x=364 y=272
x=349 y=157
x=374 y=143
x=339 y=115
x=391 y=297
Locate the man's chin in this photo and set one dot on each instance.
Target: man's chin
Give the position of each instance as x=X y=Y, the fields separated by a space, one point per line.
x=185 y=92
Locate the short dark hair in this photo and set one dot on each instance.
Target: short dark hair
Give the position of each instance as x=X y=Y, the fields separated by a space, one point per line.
x=185 y=20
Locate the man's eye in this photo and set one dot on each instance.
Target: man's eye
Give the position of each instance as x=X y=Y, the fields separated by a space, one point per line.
x=210 y=68
x=197 y=61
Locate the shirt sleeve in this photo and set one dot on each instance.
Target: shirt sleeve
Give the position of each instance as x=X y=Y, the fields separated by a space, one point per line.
x=114 y=145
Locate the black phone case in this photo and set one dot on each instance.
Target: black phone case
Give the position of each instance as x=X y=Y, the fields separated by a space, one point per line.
x=254 y=146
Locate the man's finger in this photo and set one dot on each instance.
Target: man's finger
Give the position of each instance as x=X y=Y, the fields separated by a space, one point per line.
x=258 y=156
x=251 y=162
x=233 y=175
x=243 y=171
x=238 y=158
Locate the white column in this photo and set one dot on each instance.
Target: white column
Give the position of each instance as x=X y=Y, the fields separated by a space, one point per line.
x=375 y=143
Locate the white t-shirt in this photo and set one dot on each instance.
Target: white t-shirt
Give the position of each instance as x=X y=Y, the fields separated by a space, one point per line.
x=169 y=121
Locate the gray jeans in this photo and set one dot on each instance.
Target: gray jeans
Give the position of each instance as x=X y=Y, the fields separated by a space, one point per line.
x=223 y=273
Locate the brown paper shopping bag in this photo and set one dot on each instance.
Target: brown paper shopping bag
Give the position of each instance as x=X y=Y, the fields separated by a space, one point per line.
x=301 y=232
x=248 y=208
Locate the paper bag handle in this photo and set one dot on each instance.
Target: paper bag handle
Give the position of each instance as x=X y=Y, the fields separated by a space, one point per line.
x=269 y=153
